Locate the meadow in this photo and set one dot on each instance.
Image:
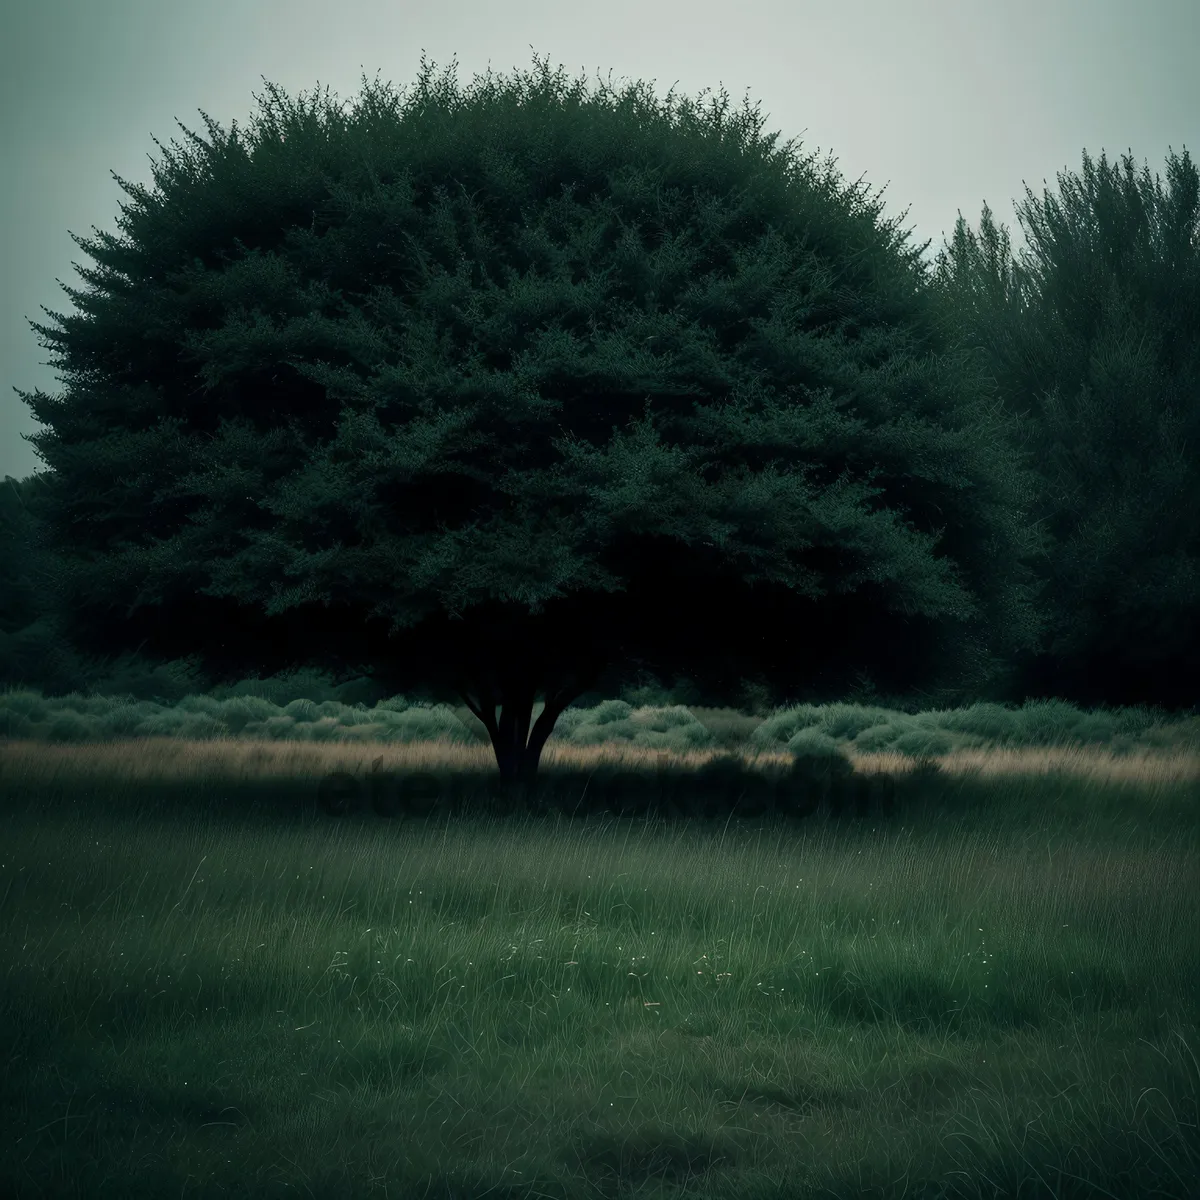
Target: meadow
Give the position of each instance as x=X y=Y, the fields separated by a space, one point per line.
x=213 y=987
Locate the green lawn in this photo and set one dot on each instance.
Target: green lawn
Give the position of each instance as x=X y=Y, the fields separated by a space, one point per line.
x=989 y=993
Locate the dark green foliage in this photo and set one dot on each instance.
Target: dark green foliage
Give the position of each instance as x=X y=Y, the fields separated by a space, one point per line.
x=516 y=394
x=34 y=650
x=1096 y=338
x=18 y=591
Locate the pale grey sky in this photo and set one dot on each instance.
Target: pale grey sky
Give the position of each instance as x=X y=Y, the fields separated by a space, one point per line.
x=947 y=102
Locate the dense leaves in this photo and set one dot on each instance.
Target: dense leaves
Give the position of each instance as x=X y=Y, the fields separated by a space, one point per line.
x=1096 y=336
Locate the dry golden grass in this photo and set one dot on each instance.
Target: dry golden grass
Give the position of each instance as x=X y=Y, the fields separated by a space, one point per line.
x=231 y=759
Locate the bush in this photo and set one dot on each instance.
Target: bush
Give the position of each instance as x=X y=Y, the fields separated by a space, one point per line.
x=402 y=722
x=192 y=726
x=613 y=722
x=241 y=711
x=127 y=719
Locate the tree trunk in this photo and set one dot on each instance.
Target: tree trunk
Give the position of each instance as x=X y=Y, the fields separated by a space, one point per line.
x=518 y=751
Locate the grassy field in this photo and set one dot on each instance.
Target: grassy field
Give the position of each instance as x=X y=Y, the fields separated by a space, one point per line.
x=212 y=988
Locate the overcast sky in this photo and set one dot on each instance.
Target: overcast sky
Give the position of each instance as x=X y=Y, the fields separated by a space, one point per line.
x=947 y=102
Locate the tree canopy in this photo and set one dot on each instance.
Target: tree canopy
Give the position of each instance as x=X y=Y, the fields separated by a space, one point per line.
x=1095 y=336
x=509 y=389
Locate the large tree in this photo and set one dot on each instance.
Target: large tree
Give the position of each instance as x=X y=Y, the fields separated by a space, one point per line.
x=1095 y=336
x=505 y=391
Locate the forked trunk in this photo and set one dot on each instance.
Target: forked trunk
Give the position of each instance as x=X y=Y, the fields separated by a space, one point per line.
x=518 y=749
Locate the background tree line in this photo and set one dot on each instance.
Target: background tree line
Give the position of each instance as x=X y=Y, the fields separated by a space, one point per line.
x=1097 y=333
x=826 y=466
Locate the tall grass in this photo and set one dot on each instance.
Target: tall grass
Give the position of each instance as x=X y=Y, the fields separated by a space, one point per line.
x=212 y=989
